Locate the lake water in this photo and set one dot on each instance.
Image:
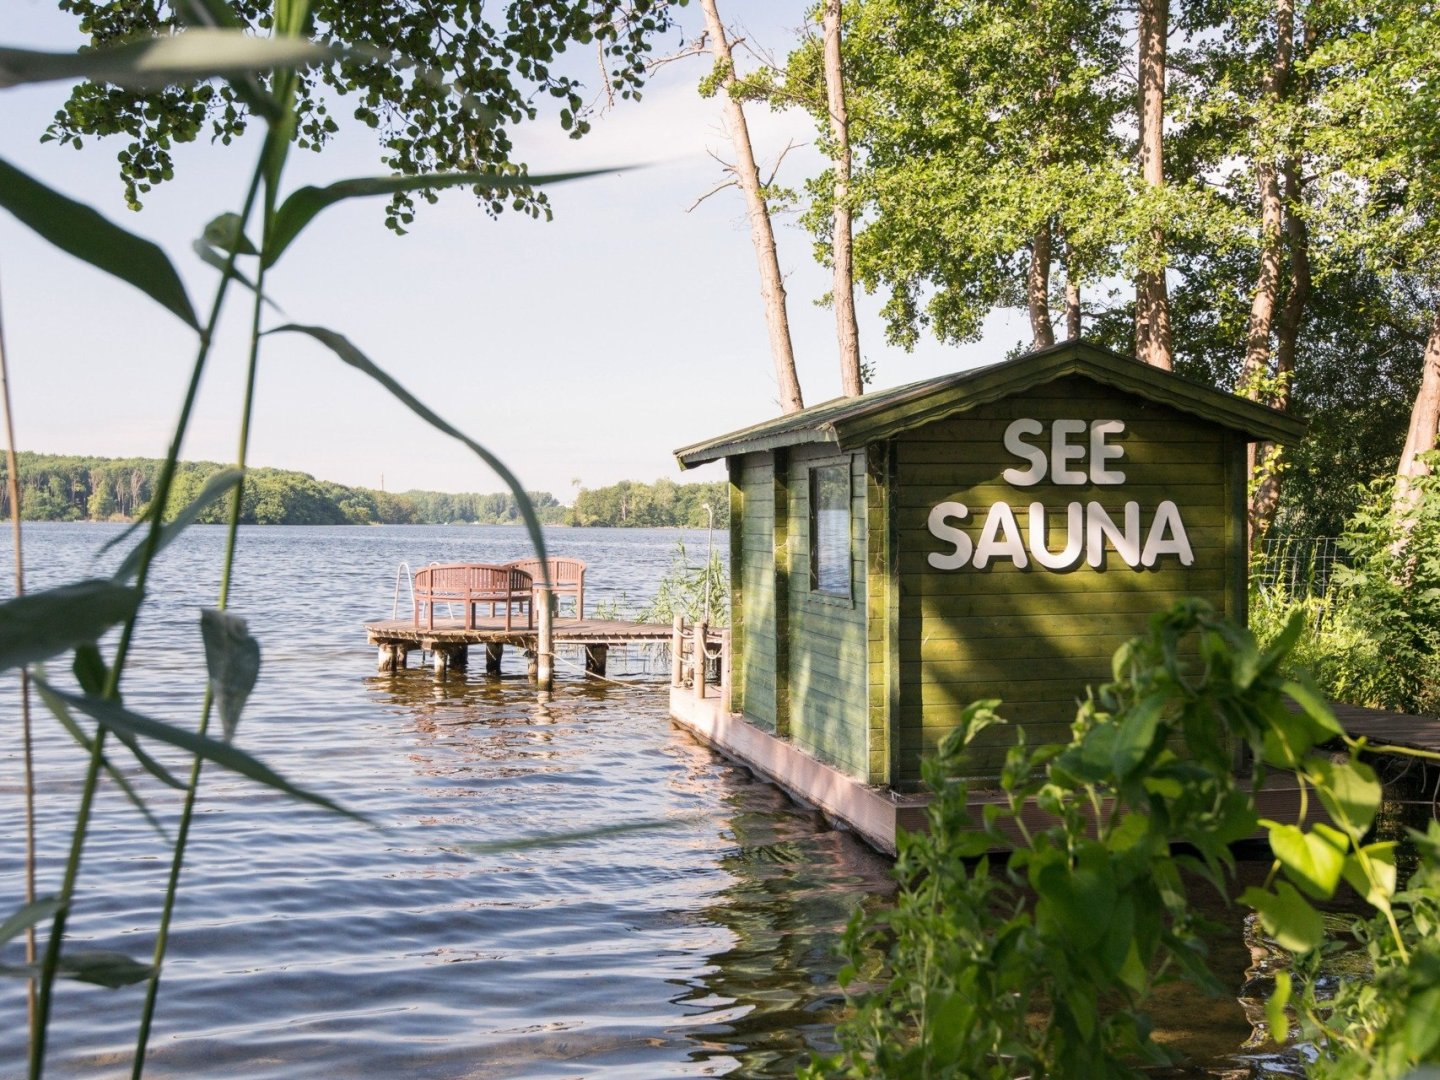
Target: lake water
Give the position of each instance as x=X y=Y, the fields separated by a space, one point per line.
x=307 y=946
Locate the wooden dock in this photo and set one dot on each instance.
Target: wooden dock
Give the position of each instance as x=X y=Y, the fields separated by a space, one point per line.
x=1396 y=729
x=448 y=641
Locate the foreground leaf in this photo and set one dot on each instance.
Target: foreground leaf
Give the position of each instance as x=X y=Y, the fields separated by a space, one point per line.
x=346 y=351
x=232 y=658
x=217 y=485
x=116 y=718
x=31 y=914
x=300 y=208
x=1286 y=917
x=1311 y=860
x=196 y=54
x=37 y=626
x=110 y=969
x=78 y=230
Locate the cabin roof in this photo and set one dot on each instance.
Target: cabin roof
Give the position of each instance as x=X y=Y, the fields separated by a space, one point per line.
x=849 y=422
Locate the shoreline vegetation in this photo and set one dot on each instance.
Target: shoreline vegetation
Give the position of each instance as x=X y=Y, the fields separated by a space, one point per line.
x=61 y=487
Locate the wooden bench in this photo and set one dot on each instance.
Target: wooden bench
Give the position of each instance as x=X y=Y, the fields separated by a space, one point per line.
x=473 y=584
x=567 y=576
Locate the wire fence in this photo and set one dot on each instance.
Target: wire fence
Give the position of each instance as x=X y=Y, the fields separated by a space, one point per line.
x=1298 y=565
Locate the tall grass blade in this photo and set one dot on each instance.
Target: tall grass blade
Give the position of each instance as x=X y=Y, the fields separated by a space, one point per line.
x=217 y=485
x=78 y=230
x=218 y=15
x=346 y=351
x=58 y=709
x=227 y=232
x=200 y=53
x=28 y=915
x=301 y=206
x=37 y=626
x=232 y=657
x=116 y=718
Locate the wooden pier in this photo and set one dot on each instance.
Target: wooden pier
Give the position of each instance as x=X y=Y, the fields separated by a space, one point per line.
x=448 y=641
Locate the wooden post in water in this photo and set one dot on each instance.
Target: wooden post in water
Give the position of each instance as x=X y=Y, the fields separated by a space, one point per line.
x=596 y=657
x=699 y=659
x=544 y=645
x=677 y=643
x=494 y=653
x=725 y=671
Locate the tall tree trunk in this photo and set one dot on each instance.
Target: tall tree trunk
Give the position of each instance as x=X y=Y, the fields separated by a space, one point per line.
x=1263 y=457
x=1152 y=302
x=747 y=175
x=1072 y=294
x=1266 y=499
x=847 y=332
x=1037 y=290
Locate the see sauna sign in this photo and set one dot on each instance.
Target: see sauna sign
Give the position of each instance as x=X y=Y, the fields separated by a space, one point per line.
x=1069 y=453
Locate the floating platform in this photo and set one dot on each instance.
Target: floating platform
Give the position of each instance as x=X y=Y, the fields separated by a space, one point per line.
x=449 y=640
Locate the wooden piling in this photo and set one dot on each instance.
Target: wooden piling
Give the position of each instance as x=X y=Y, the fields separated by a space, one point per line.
x=699 y=658
x=677 y=645
x=596 y=657
x=544 y=644
x=494 y=653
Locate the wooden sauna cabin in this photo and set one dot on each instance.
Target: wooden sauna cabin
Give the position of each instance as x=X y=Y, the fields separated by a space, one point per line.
x=993 y=533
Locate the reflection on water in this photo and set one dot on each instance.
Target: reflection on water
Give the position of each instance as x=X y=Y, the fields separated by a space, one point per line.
x=306 y=946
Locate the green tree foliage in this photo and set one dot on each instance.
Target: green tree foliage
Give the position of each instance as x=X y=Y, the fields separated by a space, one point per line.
x=459 y=78
x=979 y=131
x=56 y=488
x=663 y=503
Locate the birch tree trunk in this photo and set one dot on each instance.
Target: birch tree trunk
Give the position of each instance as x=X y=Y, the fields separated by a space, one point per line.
x=762 y=236
x=1037 y=290
x=847 y=332
x=1152 y=302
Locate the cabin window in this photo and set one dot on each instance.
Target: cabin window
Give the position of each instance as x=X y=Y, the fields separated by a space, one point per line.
x=830 y=530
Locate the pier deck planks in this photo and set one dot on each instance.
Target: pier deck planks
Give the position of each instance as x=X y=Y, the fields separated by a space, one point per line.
x=492 y=632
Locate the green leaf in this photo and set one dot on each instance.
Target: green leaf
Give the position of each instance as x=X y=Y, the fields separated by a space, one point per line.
x=300 y=208
x=1381 y=858
x=216 y=486
x=1313 y=703
x=1350 y=794
x=78 y=230
x=110 y=969
x=342 y=347
x=40 y=625
x=1276 y=1018
x=60 y=712
x=116 y=718
x=1136 y=734
x=159 y=61
x=226 y=232
x=211 y=257
x=232 y=657
x=1310 y=860
x=149 y=764
x=1287 y=917
x=28 y=915
x=89 y=668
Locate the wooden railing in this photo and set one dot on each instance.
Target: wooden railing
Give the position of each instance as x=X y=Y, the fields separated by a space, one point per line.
x=691 y=651
x=504 y=588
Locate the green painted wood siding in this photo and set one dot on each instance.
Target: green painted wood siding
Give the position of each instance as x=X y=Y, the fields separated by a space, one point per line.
x=829 y=661
x=753 y=572
x=1036 y=637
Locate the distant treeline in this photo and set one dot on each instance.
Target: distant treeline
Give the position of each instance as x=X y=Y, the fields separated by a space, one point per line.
x=63 y=488
x=58 y=488
x=661 y=503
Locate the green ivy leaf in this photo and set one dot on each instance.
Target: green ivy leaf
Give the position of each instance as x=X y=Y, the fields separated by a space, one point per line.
x=1276 y=1018
x=1381 y=858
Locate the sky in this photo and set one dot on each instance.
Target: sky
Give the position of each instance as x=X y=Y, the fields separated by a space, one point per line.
x=584 y=350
